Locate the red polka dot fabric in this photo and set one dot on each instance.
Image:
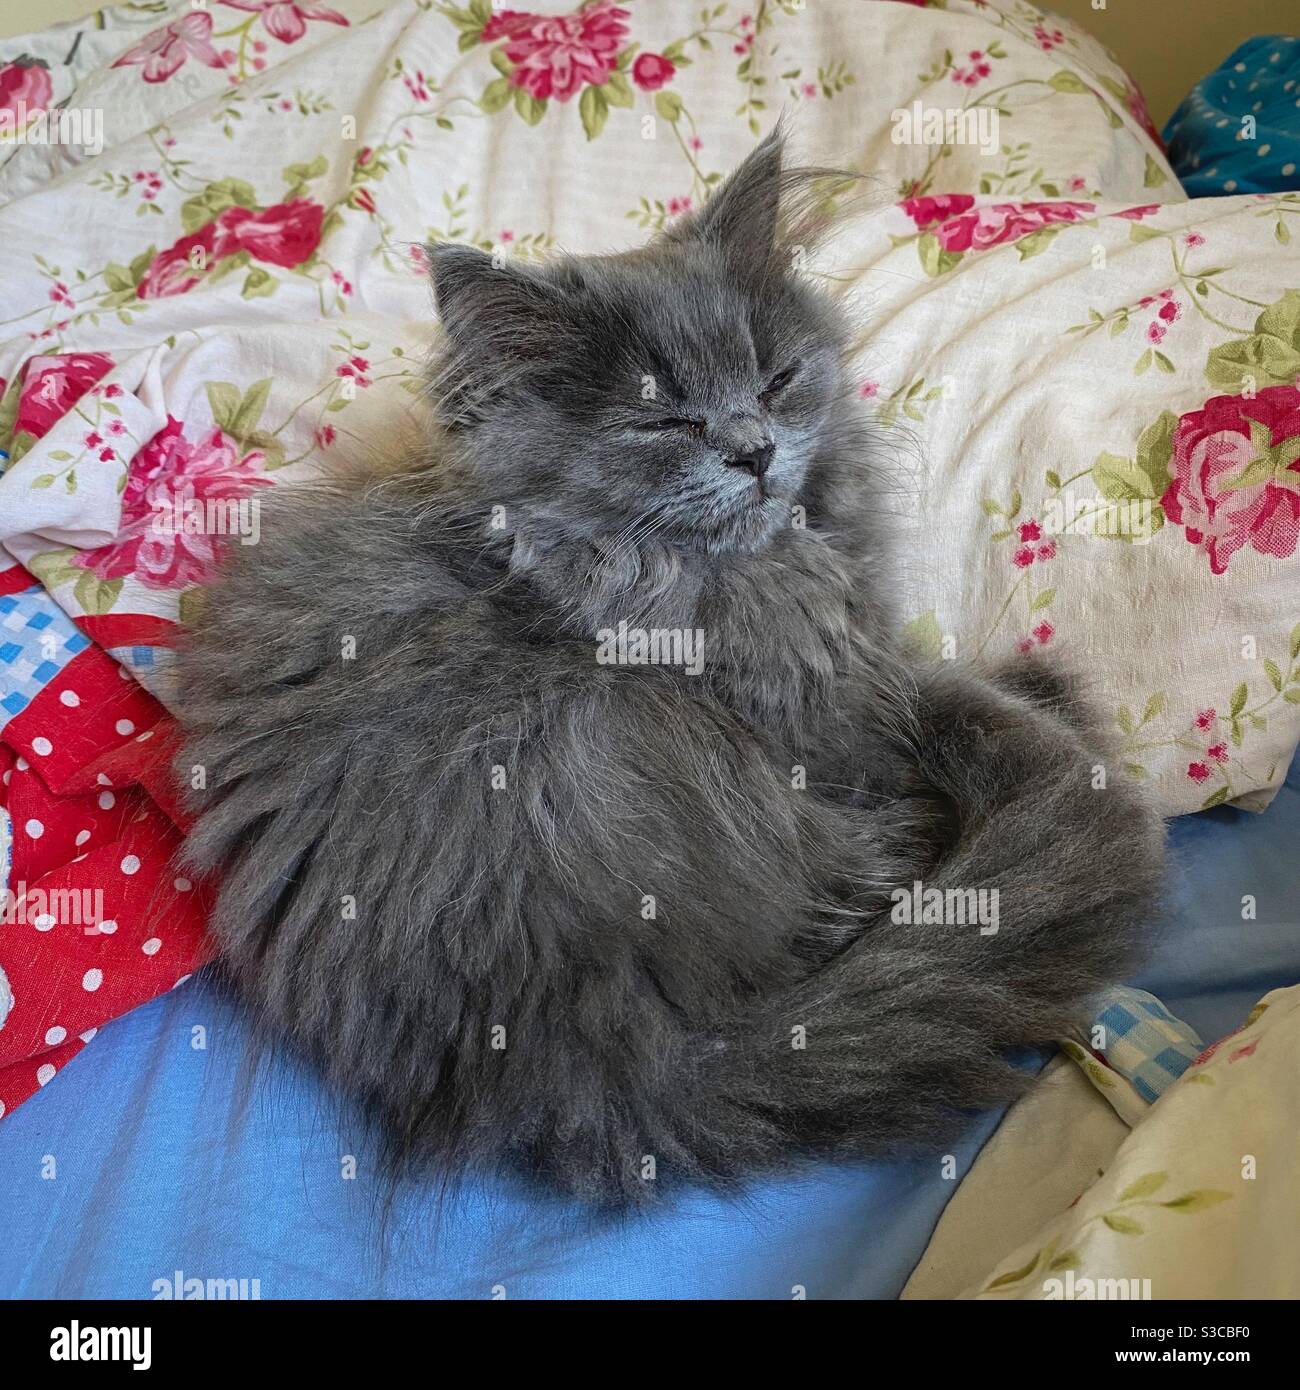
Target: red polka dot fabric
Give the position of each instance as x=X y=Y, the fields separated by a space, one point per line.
x=97 y=919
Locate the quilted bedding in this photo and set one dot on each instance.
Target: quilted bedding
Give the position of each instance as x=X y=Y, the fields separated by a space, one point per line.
x=1085 y=385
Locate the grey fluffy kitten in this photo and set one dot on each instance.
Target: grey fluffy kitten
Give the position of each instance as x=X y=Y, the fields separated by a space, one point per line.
x=617 y=924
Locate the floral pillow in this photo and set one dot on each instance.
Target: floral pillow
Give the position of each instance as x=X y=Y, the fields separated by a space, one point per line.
x=1085 y=385
x=1105 y=399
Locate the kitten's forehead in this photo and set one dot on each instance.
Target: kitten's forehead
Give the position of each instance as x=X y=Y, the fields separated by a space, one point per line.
x=689 y=314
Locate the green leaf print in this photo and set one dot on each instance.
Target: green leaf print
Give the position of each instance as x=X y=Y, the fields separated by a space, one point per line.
x=1123 y=1225
x=1144 y=1186
x=594 y=110
x=924 y=637
x=1155 y=449
x=1122 y=480
x=1269 y=357
x=1065 y=81
x=215 y=199
x=1198 y=1200
x=96 y=595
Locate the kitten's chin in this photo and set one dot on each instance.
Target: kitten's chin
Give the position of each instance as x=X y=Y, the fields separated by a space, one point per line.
x=747 y=529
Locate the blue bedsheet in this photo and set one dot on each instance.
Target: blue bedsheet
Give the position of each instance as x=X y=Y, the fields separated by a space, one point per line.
x=147 y=1157
x=1212 y=146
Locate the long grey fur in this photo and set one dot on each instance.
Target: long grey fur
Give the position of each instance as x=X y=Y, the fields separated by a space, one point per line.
x=617 y=925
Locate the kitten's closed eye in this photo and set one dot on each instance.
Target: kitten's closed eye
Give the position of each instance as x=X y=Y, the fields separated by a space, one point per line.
x=779 y=382
x=673 y=422
x=769 y=393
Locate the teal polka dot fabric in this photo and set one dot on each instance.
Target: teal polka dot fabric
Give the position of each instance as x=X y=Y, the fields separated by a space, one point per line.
x=1238 y=130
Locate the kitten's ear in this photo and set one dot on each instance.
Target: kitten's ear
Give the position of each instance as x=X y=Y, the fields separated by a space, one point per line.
x=485 y=302
x=765 y=209
x=741 y=216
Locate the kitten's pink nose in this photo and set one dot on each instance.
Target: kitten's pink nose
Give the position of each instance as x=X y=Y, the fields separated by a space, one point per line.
x=757 y=462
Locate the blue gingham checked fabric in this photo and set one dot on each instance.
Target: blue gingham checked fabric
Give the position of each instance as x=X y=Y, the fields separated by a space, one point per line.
x=1145 y=1049
x=1145 y=1042
x=37 y=640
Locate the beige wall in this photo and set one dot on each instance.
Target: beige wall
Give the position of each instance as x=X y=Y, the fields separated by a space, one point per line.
x=27 y=16
x=1168 y=44
x=1165 y=44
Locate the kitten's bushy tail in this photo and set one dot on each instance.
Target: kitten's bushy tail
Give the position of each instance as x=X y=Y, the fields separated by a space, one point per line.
x=909 y=1027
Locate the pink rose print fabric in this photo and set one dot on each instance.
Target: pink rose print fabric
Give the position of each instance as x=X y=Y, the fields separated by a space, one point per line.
x=25 y=89
x=959 y=225
x=287 y=20
x=284 y=235
x=169 y=478
x=557 y=57
x=182 y=266
x=163 y=52
x=650 y=71
x=54 y=384
x=1237 y=476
